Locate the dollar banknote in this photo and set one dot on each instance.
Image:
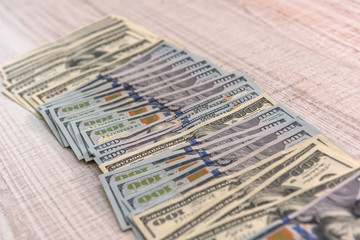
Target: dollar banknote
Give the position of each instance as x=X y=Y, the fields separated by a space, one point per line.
x=62 y=122
x=253 y=107
x=158 y=52
x=170 y=127
x=151 y=222
x=333 y=215
x=167 y=158
x=24 y=95
x=71 y=39
x=312 y=169
x=176 y=182
x=175 y=106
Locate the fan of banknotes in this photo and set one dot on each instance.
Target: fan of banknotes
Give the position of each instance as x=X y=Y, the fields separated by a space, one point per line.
x=187 y=150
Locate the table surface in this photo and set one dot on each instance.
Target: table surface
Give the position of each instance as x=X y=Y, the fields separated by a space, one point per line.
x=304 y=53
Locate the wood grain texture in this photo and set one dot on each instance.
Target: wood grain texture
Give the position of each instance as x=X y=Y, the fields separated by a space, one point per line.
x=304 y=53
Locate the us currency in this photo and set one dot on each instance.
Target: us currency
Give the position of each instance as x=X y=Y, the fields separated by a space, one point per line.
x=178 y=104
x=25 y=95
x=37 y=73
x=62 y=122
x=222 y=146
x=85 y=90
x=189 y=123
x=311 y=169
x=230 y=81
x=174 y=212
x=156 y=194
x=223 y=159
x=322 y=154
x=107 y=79
x=198 y=78
x=187 y=68
x=155 y=67
x=205 y=115
x=158 y=52
x=334 y=215
x=79 y=35
x=252 y=123
x=46 y=115
x=63 y=41
x=90 y=45
x=187 y=148
x=265 y=147
x=44 y=109
x=149 y=164
x=250 y=222
x=252 y=107
x=58 y=110
x=205 y=76
x=110 y=116
x=170 y=167
x=46 y=96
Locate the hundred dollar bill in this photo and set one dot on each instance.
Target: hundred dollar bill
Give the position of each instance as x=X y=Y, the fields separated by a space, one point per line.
x=188 y=69
x=334 y=215
x=257 y=143
x=145 y=166
x=61 y=76
x=63 y=121
x=176 y=211
x=222 y=159
x=52 y=68
x=42 y=96
x=208 y=146
x=57 y=89
x=311 y=169
x=74 y=37
x=171 y=167
x=85 y=90
x=110 y=116
x=198 y=77
x=187 y=123
x=208 y=75
x=274 y=190
x=230 y=118
x=90 y=45
x=252 y=123
x=62 y=111
x=112 y=148
x=157 y=52
x=141 y=200
x=250 y=222
x=282 y=212
x=260 y=103
x=63 y=41
x=46 y=110
x=175 y=106
x=25 y=95
x=222 y=147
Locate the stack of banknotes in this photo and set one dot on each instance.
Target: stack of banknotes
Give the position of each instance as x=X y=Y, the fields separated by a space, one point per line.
x=187 y=150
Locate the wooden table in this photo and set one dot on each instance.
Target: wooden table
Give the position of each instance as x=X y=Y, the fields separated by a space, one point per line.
x=304 y=53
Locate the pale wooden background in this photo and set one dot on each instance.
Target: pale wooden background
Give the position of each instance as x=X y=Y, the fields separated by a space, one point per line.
x=305 y=53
